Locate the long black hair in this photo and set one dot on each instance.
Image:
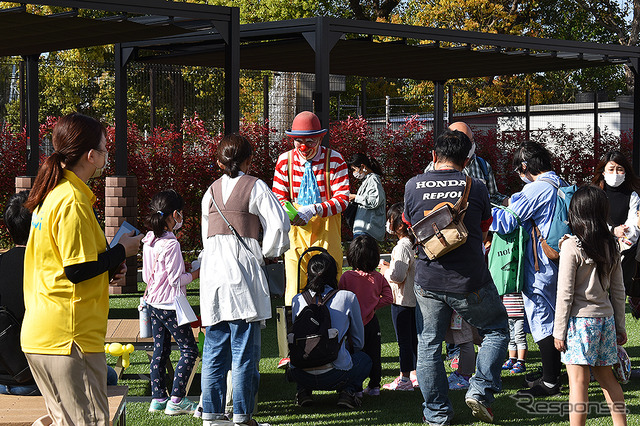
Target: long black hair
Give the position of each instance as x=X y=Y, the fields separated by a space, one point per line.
x=631 y=180
x=162 y=205
x=322 y=270
x=588 y=213
x=397 y=225
x=359 y=159
x=232 y=151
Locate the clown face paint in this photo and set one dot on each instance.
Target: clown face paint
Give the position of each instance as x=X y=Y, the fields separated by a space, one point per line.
x=307 y=147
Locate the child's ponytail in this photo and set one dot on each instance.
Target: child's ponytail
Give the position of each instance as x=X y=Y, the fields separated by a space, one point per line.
x=161 y=207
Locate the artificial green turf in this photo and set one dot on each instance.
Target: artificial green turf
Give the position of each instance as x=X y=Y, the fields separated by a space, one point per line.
x=276 y=395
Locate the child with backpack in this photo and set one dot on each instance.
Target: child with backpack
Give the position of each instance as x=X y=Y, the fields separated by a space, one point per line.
x=373 y=293
x=400 y=273
x=590 y=306
x=164 y=272
x=350 y=366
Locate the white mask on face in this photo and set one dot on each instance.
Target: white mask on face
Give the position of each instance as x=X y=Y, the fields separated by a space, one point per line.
x=388 y=228
x=525 y=179
x=613 y=179
x=99 y=171
x=358 y=175
x=178 y=225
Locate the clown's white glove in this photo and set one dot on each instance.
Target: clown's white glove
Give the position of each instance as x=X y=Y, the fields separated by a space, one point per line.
x=307 y=212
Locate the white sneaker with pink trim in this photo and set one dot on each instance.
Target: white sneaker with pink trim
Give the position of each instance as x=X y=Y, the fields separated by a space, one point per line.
x=399 y=384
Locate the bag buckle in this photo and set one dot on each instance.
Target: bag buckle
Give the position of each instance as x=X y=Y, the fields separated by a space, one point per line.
x=439 y=235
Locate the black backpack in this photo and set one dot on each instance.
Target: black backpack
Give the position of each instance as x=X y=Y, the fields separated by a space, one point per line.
x=12 y=359
x=309 y=343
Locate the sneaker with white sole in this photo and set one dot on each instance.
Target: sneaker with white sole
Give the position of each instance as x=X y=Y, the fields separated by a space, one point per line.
x=157 y=405
x=185 y=406
x=399 y=384
x=479 y=410
x=457 y=381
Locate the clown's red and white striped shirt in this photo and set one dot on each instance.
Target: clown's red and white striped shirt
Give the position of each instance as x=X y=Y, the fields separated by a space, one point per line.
x=338 y=178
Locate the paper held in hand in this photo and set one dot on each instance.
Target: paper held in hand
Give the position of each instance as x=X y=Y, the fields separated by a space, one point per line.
x=125 y=228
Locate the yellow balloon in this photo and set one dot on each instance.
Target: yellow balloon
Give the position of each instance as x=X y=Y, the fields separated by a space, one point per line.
x=125 y=360
x=115 y=349
x=129 y=348
x=106 y=348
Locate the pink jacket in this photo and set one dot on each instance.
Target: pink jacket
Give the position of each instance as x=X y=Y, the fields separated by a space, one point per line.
x=163 y=268
x=371 y=289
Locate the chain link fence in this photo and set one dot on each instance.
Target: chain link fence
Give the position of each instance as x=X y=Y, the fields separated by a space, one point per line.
x=162 y=96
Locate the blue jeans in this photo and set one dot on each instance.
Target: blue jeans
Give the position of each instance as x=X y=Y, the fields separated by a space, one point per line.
x=482 y=309
x=24 y=390
x=231 y=345
x=348 y=380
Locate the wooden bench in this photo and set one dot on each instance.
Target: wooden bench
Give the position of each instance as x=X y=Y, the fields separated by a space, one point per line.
x=126 y=331
x=24 y=410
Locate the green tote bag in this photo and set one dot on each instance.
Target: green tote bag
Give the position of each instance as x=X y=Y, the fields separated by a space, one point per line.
x=506 y=259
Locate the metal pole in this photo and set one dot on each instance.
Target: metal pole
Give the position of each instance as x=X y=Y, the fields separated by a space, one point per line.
x=387 y=109
x=450 y=104
x=232 y=74
x=121 y=58
x=596 y=128
x=527 y=115
x=265 y=98
x=23 y=97
x=438 y=108
x=321 y=94
x=363 y=110
x=152 y=97
x=32 y=108
x=635 y=154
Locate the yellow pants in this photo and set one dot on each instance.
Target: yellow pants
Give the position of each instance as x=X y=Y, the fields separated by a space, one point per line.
x=319 y=231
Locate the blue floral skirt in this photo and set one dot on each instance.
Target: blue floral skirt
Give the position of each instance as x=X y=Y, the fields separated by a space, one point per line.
x=591 y=341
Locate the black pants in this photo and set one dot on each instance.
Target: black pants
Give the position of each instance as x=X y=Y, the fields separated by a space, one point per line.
x=373 y=348
x=404 y=322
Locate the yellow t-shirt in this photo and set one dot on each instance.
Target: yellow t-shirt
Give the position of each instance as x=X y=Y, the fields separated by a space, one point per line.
x=64 y=232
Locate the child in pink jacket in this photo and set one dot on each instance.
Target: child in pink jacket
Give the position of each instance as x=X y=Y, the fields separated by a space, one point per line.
x=373 y=292
x=163 y=271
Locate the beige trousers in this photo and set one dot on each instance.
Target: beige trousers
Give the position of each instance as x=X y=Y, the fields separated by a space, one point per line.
x=74 y=386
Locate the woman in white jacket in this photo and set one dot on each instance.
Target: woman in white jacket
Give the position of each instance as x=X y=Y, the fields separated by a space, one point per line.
x=234 y=293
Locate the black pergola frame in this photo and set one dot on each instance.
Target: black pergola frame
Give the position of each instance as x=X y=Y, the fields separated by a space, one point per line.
x=155 y=13
x=322 y=34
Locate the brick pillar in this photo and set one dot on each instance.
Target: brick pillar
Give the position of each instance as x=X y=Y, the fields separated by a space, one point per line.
x=121 y=203
x=24 y=183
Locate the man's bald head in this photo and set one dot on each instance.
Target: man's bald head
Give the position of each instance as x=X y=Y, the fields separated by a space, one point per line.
x=461 y=126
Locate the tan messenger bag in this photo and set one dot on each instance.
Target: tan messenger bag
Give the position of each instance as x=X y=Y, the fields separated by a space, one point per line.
x=442 y=229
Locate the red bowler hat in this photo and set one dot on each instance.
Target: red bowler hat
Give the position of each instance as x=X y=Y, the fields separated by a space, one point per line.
x=306 y=124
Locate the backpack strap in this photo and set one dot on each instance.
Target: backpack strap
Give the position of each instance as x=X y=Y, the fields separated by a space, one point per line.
x=310 y=300
x=328 y=297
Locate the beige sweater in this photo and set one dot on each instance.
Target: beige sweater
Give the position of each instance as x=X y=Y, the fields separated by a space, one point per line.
x=581 y=293
x=401 y=273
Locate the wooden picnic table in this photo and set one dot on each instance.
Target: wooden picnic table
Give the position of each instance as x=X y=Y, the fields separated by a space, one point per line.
x=127 y=331
x=24 y=410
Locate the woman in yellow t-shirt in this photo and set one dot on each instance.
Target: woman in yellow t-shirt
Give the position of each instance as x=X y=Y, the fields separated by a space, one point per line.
x=66 y=280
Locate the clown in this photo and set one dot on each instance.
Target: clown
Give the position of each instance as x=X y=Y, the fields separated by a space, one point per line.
x=315 y=179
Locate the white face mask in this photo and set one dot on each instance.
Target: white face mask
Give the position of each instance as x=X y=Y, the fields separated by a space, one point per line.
x=614 y=179
x=358 y=175
x=525 y=179
x=99 y=171
x=388 y=228
x=178 y=225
